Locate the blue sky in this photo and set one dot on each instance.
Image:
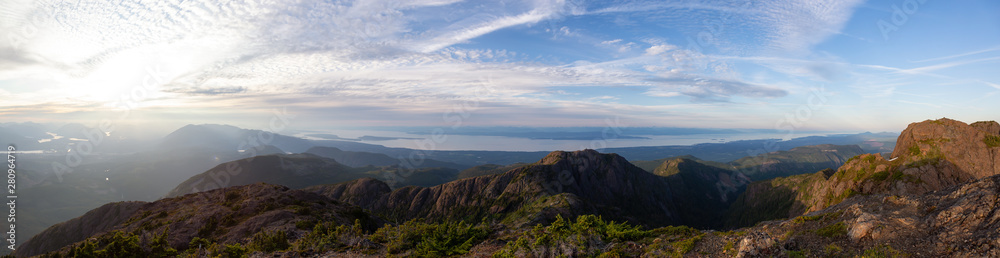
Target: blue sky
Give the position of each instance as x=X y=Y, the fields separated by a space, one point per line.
x=806 y=65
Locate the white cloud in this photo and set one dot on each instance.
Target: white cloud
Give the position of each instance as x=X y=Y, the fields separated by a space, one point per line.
x=364 y=57
x=611 y=42
x=659 y=49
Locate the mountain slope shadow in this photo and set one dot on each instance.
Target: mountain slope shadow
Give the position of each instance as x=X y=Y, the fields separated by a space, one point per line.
x=562 y=183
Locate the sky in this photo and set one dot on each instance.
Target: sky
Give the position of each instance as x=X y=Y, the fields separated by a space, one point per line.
x=831 y=65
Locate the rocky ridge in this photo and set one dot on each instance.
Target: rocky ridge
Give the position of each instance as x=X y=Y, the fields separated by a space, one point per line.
x=228 y=215
x=929 y=156
x=562 y=183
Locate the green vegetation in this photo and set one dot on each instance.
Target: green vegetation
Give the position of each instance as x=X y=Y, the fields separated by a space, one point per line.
x=882 y=251
x=228 y=250
x=838 y=229
x=267 y=242
x=305 y=224
x=451 y=239
x=328 y=236
x=684 y=246
x=801 y=219
x=796 y=254
x=426 y=239
x=832 y=249
x=590 y=235
x=880 y=176
x=160 y=247
x=992 y=141
x=115 y=244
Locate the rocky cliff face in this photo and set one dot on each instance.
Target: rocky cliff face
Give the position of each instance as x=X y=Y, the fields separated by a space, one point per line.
x=562 y=183
x=965 y=146
x=704 y=192
x=929 y=156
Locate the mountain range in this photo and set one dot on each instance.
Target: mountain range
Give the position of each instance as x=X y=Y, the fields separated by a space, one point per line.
x=181 y=158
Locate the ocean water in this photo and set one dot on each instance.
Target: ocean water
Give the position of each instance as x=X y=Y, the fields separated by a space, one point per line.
x=503 y=143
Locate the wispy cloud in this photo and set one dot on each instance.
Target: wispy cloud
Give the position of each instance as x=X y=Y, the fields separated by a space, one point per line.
x=410 y=61
x=935 y=67
x=970 y=53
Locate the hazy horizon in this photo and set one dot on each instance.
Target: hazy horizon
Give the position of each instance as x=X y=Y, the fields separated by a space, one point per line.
x=479 y=138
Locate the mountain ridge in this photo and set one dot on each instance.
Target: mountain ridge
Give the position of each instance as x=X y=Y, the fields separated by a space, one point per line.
x=929 y=156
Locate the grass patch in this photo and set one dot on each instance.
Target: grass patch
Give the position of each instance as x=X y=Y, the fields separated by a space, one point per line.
x=832 y=249
x=992 y=141
x=796 y=254
x=838 y=229
x=686 y=245
x=729 y=248
x=801 y=219
x=880 y=176
x=882 y=251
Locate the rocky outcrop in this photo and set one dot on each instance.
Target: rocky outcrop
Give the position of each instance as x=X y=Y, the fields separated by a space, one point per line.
x=487 y=169
x=929 y=156
x=363 y=192
x=562 y=183
x=227 y=215
x=964 y=146
x=959 y=221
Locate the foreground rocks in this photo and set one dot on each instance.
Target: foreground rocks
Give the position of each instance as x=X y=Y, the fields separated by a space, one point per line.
x=961 y=221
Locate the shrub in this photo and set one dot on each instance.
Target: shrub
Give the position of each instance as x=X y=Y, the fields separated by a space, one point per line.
x=121 y=244
x=232 y=251
x=268 y=242
x=450 y=239
x=210 y=225
x=992 y=141
x=160 y=247
x=327 y=236
x=198 y=242
x=589 y=234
